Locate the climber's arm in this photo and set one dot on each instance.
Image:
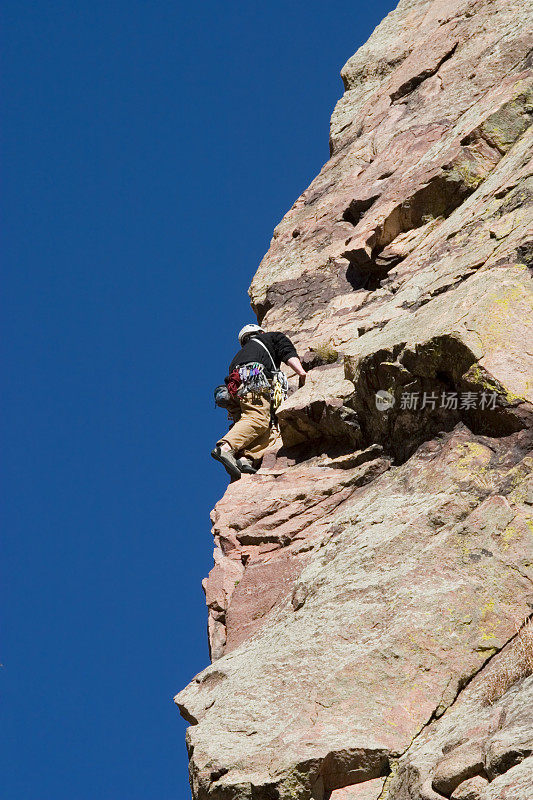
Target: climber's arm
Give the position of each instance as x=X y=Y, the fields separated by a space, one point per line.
x=286 y=352
x=296 y=365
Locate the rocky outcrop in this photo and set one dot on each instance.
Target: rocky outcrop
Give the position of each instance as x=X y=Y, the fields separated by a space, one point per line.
x=370 y=579
x=477 y=749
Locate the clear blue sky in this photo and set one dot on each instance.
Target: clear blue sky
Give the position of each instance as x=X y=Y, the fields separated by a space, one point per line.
x=148 y=150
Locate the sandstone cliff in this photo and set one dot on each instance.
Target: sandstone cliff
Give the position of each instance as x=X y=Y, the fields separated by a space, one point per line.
x=371 y=580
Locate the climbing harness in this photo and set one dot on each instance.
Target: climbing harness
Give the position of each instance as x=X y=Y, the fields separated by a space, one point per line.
x=279 y=387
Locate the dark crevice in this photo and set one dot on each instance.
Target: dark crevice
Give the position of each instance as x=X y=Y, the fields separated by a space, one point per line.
x=354 y=213
x=367 y=277
x=386 y=260
x=413 y=83
x=370 y=265
x=332 y=448
x=262 y=309
x=438 y=198
x=307 y=291
x=218 y=773
x=186 y=716
x=525 y=254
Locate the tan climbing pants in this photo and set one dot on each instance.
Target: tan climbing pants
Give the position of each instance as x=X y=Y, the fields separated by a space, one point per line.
x=252 y=432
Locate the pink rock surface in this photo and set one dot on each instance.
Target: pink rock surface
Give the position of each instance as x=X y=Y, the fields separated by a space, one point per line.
x=262 y=546
x=369 y=790
x=471 y=789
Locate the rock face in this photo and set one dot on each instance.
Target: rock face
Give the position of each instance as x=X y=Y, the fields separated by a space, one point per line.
x=370 y=579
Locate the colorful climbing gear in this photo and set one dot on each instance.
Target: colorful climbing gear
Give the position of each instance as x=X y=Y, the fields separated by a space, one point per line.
x=280 y=389
x=253 y=378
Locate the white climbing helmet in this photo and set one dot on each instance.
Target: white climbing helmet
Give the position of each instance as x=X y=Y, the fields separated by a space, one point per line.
x=247 y=330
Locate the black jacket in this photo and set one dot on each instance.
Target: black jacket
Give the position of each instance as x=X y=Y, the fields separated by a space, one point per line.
x=280 y=346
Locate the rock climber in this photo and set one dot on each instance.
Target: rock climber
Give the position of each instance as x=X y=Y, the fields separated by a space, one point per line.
x=255 y=388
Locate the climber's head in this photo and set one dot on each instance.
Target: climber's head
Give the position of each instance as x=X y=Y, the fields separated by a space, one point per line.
x=248 y=331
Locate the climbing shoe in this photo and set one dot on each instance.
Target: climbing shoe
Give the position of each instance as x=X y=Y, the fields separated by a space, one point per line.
x=228 y=460
x=245 y=465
